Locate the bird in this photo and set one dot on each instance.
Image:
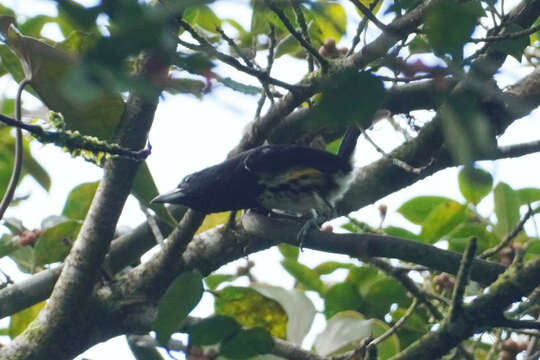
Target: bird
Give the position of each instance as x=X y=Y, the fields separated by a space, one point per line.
x=286 y=180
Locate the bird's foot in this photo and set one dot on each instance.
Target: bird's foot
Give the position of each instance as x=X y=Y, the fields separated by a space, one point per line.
x=302 y=235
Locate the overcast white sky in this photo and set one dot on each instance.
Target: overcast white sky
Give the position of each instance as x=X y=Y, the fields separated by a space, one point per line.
x=190 y=134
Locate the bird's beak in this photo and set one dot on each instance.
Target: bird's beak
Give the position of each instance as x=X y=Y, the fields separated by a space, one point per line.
x=174 y=196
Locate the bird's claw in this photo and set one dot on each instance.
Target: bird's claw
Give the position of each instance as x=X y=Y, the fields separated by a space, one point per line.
x=304 y=231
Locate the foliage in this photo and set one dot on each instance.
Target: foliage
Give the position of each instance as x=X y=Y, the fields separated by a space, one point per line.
x=83 y=80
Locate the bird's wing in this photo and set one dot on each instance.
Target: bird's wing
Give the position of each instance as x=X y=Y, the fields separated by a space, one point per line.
x=283 y=158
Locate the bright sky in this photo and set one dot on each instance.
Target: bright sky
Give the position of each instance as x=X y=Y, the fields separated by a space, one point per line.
x=190 y=134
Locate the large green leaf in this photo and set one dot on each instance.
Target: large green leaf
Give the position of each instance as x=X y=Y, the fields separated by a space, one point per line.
x=512 y=47
x=79 y=200
x=474 y=184
x=54 y=242
x=181 y=297
x=340 y=297
x=247 y=343
x=528 y=195
x=304 y=275
x=51 y=71
x=250 y=308
x=506 y=208
x=203 y=16
x=449 y=25
x=442 y=219
x=22 y=319
x=417 y=209
x=352 y=98
x=212 y=330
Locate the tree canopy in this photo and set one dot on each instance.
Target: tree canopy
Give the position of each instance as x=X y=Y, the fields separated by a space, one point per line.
x=448 y=76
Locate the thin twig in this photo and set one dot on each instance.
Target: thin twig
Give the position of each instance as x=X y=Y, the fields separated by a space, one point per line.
x=271 y=58
x=361 y=27
x=396 y=326
x=508 y=239
x=407 y=79
x=367 y=13
x=408 y=284
x=399 y=163
x=303 y=27
x=235 y=47
x=17 y=162
x=152 y=224
x=205 y=46
x=508 y=36
x=305 y=44
x=462 y=279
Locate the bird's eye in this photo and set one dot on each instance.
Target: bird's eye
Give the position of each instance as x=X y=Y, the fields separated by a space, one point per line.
x=187 y=179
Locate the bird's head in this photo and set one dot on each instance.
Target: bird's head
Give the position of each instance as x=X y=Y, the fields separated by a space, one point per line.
x=189 y=192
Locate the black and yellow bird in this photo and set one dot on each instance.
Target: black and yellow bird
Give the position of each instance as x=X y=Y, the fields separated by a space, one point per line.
x=290 y=180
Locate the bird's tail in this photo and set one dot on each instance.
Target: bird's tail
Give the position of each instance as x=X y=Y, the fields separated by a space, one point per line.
x=348 y=144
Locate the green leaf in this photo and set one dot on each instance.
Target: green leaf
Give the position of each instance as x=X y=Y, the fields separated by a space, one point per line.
x=345 y=331
x=304 y=275
x=528 y=195
x=288 y=45
x=450 y=23
x=262 y=16
x=214 y=280
x=458 y=239
x=340 y=297
x=379 y=295
x=416 y=325
x=181 y=297
x=79 y=200
x=329 y=267
x=467 y=130
x=212 y=330
x=11 y=63
x=512 y=47
x=401 y=232
x=8 y=245
x=237 y=86
x=417 y=209
x=52 y=70
x=420 y=45
x=299 y=308
x=34 y=25
x=353 y=98
x=204 y=17
x=185 y=86
x=474 y=184
x=362 y=276
x=247 y=343
x=22 y=319
x=54 y=242
x=533 y=250
x=250 y=308
x=330 y=20
x=289 y=251
x=442 y=219
x=506 y=208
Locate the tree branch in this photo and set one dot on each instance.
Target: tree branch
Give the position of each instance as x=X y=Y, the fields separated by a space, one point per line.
x=306 y=44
